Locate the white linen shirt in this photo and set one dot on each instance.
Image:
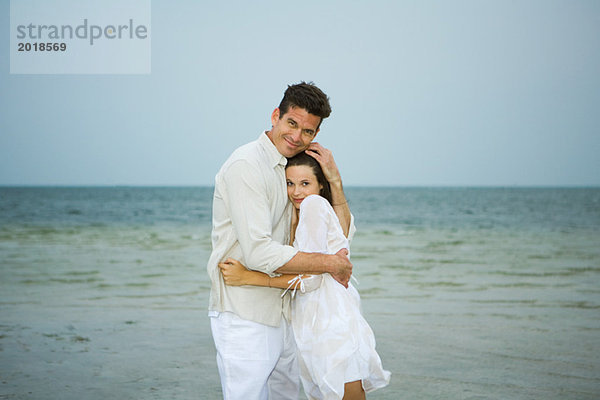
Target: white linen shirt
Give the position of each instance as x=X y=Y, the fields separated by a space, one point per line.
x=251 y=223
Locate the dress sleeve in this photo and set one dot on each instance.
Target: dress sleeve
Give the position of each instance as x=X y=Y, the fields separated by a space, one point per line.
x=311 y=233
x=250 y=213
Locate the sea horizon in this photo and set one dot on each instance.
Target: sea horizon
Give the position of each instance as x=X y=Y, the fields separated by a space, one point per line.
x=400 y=186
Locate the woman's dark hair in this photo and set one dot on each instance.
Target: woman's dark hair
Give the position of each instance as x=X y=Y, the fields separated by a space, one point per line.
x=307 y=96
x=304 y=159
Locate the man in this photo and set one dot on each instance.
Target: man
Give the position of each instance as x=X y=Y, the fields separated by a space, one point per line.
x=251 y=223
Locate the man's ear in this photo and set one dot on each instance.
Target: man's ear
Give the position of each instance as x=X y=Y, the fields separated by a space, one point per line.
x=275 y=116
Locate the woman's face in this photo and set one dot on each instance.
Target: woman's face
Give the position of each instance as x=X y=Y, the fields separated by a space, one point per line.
x=301 y=183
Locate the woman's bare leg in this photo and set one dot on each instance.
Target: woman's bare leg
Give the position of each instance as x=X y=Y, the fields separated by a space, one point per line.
x=354 y=391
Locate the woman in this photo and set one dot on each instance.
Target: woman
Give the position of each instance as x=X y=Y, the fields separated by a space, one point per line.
x=336 y=346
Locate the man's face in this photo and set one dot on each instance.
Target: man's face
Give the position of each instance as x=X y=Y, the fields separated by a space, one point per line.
x=293 y=132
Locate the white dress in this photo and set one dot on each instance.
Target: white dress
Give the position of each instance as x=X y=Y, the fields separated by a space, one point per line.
x=335 y=343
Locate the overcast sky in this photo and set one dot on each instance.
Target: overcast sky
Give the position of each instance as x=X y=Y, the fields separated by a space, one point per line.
x=423 y=93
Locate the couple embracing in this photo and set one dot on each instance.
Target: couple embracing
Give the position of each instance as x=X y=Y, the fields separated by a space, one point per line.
x=282 y=308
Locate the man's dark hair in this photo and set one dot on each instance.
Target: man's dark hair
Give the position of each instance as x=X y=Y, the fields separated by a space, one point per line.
x=307 y=96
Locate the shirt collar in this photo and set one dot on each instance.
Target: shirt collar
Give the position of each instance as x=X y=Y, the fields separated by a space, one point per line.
x=274 y=156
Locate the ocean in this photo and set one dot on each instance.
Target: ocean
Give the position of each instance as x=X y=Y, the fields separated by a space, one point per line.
x=473 y=293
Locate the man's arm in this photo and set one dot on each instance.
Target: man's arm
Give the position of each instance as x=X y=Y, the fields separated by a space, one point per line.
x=333 y=176
x=236 y=274
x=340 y=205
x=338 y=265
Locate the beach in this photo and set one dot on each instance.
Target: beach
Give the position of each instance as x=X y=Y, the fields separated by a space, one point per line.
x=472 y=293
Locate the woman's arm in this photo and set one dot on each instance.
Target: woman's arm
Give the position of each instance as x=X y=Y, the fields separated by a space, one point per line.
x=293 y=226
x=236 y=274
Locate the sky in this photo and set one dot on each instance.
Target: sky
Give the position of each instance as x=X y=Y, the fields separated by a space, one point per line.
x=424 y=93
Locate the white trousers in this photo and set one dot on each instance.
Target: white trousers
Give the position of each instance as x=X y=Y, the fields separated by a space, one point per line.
x=255 y=361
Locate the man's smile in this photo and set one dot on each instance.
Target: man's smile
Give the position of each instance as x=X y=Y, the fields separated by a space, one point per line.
x=290 y=142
